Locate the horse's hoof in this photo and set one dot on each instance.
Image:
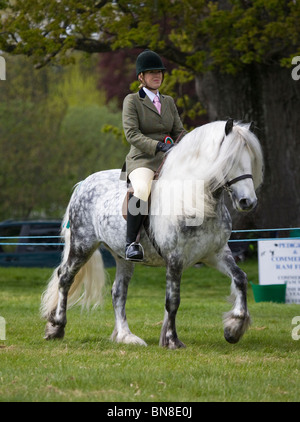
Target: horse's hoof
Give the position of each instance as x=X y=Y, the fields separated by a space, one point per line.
x=172 y=344
x=229 y=337
x=54 y=331
x=235 y=326
x=128 y=338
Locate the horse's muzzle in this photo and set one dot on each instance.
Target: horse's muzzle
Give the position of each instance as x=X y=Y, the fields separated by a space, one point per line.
x=246 y=204
x=243 y=204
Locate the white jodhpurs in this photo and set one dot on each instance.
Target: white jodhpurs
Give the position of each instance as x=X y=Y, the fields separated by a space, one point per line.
x=141 y=180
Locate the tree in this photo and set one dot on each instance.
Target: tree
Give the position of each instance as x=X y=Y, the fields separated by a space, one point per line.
x=238 y=52
x=51 y=136
x=195 y=34
x=29 y=149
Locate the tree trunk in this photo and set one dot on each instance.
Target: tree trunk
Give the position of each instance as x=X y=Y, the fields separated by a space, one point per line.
x=271 y=98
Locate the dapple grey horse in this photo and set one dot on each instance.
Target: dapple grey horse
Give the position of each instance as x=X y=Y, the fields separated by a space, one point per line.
x=188 y=223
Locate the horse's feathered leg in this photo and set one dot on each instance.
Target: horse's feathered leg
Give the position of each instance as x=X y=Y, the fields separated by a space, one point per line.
x=236 y=321
x=168 y=337
x=57 y=320
x=122 y=333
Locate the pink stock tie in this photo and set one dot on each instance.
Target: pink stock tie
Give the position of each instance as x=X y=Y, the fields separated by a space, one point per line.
x=157 y=103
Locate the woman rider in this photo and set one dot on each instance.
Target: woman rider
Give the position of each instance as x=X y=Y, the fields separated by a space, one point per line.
x=146 y=126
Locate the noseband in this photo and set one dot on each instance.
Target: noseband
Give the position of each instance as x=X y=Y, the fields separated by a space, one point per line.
x=235 y=180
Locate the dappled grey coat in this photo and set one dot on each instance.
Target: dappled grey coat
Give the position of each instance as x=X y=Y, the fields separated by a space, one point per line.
x=144 y=126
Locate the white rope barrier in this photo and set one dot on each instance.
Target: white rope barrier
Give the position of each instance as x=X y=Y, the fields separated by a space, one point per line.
x=230 y=240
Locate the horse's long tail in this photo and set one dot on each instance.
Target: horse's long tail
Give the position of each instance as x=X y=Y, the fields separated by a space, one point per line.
x=88 y=286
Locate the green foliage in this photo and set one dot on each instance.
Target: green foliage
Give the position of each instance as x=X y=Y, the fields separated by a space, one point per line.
x=174 y=83
x=51 y=136
x=197 y=34
x=116 y=132
x=29 y=144
x=76 y=84
x=28 y=174
x=87 y=146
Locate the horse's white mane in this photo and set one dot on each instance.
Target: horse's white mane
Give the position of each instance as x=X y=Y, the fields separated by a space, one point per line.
x=201 y=155
x=206 y=154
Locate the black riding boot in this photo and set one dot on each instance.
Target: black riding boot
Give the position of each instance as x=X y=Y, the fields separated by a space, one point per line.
x=134 y=250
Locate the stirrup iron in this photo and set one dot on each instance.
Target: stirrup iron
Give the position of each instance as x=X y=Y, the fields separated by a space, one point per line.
x=139 y=255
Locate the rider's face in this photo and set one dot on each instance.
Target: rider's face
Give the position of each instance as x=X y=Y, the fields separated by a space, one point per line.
x=152 y=79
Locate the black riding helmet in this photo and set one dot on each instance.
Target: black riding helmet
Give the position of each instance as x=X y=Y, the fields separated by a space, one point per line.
x=148 y=60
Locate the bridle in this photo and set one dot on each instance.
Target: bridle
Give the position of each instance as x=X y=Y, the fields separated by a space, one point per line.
x=235 y=180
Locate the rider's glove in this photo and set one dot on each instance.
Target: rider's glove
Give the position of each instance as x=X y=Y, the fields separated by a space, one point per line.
x=161 y=146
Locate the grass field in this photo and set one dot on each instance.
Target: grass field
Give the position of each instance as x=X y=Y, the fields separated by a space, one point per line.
x=87 y=366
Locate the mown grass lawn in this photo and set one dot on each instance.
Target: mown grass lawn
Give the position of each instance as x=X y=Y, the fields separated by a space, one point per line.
x=87 y=366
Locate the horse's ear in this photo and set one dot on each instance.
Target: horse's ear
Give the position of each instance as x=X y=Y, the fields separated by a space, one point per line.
x=228 y=126
x=251 y=127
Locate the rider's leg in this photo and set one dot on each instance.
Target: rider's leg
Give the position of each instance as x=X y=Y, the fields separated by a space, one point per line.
x=141 y=180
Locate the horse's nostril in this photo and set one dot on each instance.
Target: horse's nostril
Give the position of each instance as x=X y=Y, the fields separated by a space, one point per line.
x=244 y=203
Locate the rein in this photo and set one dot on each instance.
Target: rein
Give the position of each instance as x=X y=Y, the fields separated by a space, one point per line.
x=156 y=175
x=235 y=180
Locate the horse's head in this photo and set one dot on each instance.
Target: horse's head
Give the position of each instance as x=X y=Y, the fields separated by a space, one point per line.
x=223 y=155
x=239 y=184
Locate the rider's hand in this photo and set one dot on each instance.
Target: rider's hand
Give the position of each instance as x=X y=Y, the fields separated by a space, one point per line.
x=161 y=146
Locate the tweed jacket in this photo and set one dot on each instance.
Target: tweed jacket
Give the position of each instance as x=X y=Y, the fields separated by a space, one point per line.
x=144 y=127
